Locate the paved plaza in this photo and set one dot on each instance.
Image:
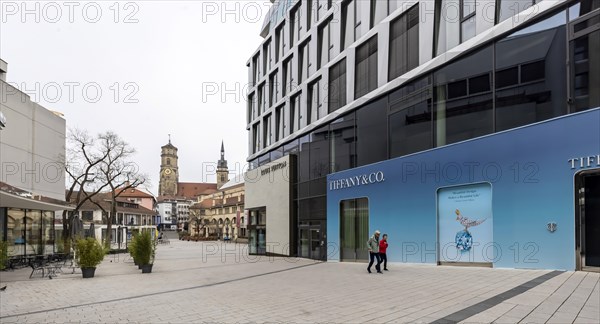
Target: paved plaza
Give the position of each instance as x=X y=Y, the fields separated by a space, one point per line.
x=219 y=283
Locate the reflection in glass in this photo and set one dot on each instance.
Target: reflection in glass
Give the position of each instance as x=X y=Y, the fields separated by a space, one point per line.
x=410 y=122
x=354 y=229
x=342 y=137
x=585 y=71
x=371 y=132
x=530 y=77
x=509 y=8
x=463 y=107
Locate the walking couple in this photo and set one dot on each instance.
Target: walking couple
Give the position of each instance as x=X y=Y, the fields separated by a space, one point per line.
x=377 y=250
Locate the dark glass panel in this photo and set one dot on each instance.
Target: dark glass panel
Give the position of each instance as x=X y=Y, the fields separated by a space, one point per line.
x=337 y=86
x=585 y=71
x=366 y=68
x=404 y=43
x=319 y=153
x=538 y=53
x=479 y=84
x=459 y=115
x=343 y=143
x=507 y=77
x=371 y=127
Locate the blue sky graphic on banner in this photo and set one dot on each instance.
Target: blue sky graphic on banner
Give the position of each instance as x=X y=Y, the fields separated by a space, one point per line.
x=465 y=223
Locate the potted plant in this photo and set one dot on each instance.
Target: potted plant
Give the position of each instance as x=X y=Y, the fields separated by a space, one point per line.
x=89 y=254
x=132 y=247
x=146 y=250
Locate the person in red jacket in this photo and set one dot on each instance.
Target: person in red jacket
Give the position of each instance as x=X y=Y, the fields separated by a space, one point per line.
x=383 y=244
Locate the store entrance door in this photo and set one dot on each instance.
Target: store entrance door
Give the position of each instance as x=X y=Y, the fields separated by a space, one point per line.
x=354 y=228
x=587 y=220
x=312 y=244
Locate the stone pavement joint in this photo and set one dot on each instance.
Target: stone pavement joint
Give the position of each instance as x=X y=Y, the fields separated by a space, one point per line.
x=249 y=290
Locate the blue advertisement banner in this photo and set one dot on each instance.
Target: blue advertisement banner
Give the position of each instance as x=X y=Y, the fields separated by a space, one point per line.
x=465 y=225
x=531 y=170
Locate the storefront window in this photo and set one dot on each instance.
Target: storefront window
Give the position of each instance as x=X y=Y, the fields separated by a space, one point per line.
x=2 y=223
x=16 y=231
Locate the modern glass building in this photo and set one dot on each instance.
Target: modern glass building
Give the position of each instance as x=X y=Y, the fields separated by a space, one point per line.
x=469 y=131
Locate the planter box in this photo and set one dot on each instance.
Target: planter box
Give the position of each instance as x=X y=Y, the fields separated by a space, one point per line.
x=88 y=272
x=147 y=268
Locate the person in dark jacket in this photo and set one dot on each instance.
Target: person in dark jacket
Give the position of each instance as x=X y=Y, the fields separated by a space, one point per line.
x=383 y=244
x=373 y=245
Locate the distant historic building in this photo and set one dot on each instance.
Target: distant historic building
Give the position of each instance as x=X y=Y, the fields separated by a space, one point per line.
x=169 y=171
x=174 y=197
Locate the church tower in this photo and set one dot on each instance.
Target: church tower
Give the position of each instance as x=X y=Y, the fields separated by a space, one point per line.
x=169 y=170
x=222 y=171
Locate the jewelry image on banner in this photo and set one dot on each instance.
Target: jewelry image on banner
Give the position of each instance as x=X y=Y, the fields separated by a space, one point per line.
x=463 y=239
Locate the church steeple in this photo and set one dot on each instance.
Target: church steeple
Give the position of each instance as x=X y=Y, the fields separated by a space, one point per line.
x=169 y=170
x=222 y=170
x=222 y=164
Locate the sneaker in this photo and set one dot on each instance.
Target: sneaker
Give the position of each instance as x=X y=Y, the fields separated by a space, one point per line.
x=369 y=270
x=379 y=272
x=386 y=270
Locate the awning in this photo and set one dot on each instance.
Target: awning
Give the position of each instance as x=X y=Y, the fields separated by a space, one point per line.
x=16 y=201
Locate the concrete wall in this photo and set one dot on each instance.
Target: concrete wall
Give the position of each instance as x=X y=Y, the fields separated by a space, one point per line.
x=269 y=186
x=32 y=146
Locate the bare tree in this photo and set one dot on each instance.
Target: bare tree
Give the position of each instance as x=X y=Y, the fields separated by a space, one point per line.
x=117 y=172
x=81 y=165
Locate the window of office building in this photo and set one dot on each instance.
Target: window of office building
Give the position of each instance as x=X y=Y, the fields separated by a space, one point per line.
x=316 y=107
x=359 y=28
x=337 y=86
x=366 y=68
x=273 y=89
x=255 y=138
x=324 y=44
x=295 y=112
x=584 y=47
x=378 y=11
x=261 y=98
x=279 y=123
x=347 y=24
x=371 y=121
x=530 y=74
x=266 y=57
x=404 y=43
x=446 y=30
x=303 y=60
x=309 y=13
x=510 y=8
x=322 y=7
x=467 y=19
x=267 y=134
x=295 y=24
x=319 y=153
x=342 y=143
x=410 y=119
x=279 y=42
x=288 y=77
x=255 y=68
x=463 y=98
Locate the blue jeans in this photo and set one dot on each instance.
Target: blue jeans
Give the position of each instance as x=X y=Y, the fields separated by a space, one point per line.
x=372 y=257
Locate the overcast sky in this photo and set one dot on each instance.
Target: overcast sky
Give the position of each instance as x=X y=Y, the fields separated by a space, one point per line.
x=165 y=63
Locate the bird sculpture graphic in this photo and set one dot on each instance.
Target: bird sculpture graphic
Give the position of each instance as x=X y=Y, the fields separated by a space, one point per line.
x=467 y=222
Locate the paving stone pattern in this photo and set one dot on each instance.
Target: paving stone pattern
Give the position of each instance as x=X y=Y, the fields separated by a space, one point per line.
x=194 y=282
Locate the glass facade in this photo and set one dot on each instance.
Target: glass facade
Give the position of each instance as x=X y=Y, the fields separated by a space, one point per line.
x=545 y=69
x=28 y=232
